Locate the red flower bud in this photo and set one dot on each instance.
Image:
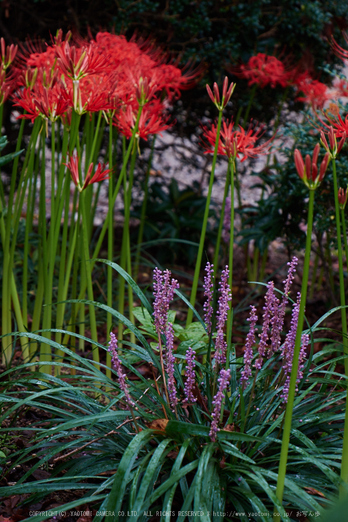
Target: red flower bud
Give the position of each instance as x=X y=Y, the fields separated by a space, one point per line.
x=226 y=94
x=308 y=169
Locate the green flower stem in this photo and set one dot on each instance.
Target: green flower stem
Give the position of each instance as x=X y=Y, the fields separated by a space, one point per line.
x=10 y=236
x=88 y=271
x=344 y=461
x=230 y=268
x=65 y=265
x=222 y=217
x=111 y=206
x=64 y=272
x=204 y=226
x=143 y=210
x=45 y=349
x=26 y=249
x=110 y=252
x=344 y=233
x=340 y=269
x=15 y=301
x=125 y=249
x=51 y=243
x=294 y=371
x=118 y=184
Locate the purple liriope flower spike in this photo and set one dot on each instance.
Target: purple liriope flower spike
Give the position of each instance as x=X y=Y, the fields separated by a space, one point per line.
x=208 y=294
x=279 y=323
x=163 y=291
x=223 y=381
x=288 y=350
x=113 y=348
x=248 y=349
x=190 y=376
x=305 y=340
x=222 y=313
x=170 y=363
x=271 y=304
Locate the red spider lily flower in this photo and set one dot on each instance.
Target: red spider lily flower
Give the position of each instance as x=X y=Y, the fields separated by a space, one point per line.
x=264 y=70
x=342 y=53
x=8 y=53
x=73 y=166
x=6 y=85
x=314 y=92
x=308 y=169
x=342 y=197
x=142 y=59
x=333 y=149
x=227 y=92
x=340 y=126
x=152 y=120
x=78 y=62
x=45 y=99
x=93 y=94
x=236 y=143
x=100 y=174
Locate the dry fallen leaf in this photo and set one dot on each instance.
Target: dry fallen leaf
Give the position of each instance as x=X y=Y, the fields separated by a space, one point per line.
x=158 y=424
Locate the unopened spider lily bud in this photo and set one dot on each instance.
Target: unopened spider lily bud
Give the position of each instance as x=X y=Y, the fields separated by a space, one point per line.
x=227 y=92
x=308 y=169
x=333 y=149
x=8 y=53
x=342 y=197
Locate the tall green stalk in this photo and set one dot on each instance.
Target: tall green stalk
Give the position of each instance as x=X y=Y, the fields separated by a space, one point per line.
x=204 y=226
x=214 y=95
x=340 y=269
x=222 y=217
x=294 y=371
x=230 y=267
x=311 y=178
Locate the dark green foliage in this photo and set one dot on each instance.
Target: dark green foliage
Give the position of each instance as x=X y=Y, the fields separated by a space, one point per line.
x=81 y=430
x=282 y=212
x=173 y=214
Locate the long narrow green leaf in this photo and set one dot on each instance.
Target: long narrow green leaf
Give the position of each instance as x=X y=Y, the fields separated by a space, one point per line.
x=119 y=486
x=149 y=478
x=131 y=282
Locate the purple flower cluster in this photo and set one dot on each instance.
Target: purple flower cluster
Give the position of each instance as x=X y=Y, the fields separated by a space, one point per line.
x=269 y=317
x=270 y=336
x=113 y=347
x=279 y=319
x=222 y=312
x=223 y=381
x=288 y=350
x=163 y=291
x=208 y=294
x=170 y=363
x=248 y=349
x=190 y=376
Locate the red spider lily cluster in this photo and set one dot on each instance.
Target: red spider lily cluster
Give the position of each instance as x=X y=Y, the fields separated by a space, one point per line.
x=108 y=74
x=267 y=70
x=310 y=91
x=263 y=70
x=236 y=143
